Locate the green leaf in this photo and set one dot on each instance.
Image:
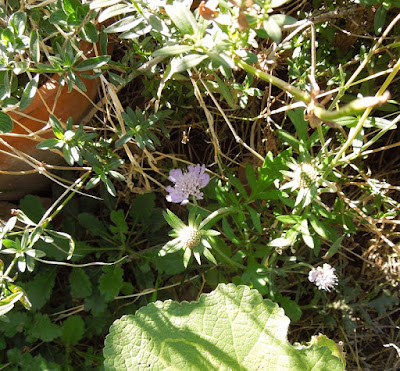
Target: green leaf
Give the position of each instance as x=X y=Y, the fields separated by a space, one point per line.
x=72 y=330
x=110 y=283
x=289 y=138
x=182 y=64
x=290 y=219
x=97 y=4
x=34 y=46
x=251 y=176
x=18 y=22
x=57 y=127
x=20 y=67
x=43 y=329
x=297 y=118
x=124 y=24
x=319 y=227
x=93 y=224
x=32 y=207
x=49 y=143
x=232 y=328
x=282 y=19
x=118 y=218
x=255 y=217
x=114 y=11
x=277 y=3
x=6 y=124
x=379 y=19
x=173 y=220
x=292 y=309
x=172 y=50
x=225 y=92
x=237 y=184
x=89 y=33
x=182 y=18
x=91 y=63
x=384 y=303
x=40 y=288
x=334 y=248
x=81 y=287
x=273 y=30
x=29 y=93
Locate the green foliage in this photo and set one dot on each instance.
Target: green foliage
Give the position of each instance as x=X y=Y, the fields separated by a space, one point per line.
x=81 y=287
x=72 y=330
x=110 y=283
x=251 y=334
x=43 y=329
x=66 y=273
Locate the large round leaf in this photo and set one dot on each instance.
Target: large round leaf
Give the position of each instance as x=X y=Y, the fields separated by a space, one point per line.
x=232 y=328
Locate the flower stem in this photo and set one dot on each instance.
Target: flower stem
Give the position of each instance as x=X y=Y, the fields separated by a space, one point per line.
x=303 y=96
x=8 y=271
x=227 y=258
x=214 y=215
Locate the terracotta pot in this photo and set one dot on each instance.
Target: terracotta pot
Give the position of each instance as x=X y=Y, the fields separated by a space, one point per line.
x=34 y=119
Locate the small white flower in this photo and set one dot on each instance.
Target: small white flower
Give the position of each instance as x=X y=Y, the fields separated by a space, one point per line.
x=190 y=236
x=324 y=277
x=305 y=177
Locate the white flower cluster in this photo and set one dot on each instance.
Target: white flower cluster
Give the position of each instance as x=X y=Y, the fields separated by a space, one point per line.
x=324 y=277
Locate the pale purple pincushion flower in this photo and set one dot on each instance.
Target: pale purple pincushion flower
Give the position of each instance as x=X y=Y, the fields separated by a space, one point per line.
x=187 y=183
x=324 y=277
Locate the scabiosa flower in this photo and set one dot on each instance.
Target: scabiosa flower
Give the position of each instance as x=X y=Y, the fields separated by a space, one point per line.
x=324 y=277
x=192 y=238
x=305 y=176
x=187 y=183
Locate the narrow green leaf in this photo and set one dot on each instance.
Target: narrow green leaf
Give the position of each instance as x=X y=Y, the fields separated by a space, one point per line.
x=251 y=176
x=34 y=46
x=89 y=33
x=237 y=184
x=173 y=220
x=98 y=4
x=226 y=92
x=114 y=11
x=29 y=93
x=319 y=227
x=255 y=217
x=290 y=219
x=49 y=143
x=182 y=64
x=282 y=19
x=125 y=24
x=57 y=127
x=6 y=124
x=94 y=62
x=182 y=18
x=297 y=118
x=334 y=248
x=172 y=50
x=379 y=19
x=289 y=138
